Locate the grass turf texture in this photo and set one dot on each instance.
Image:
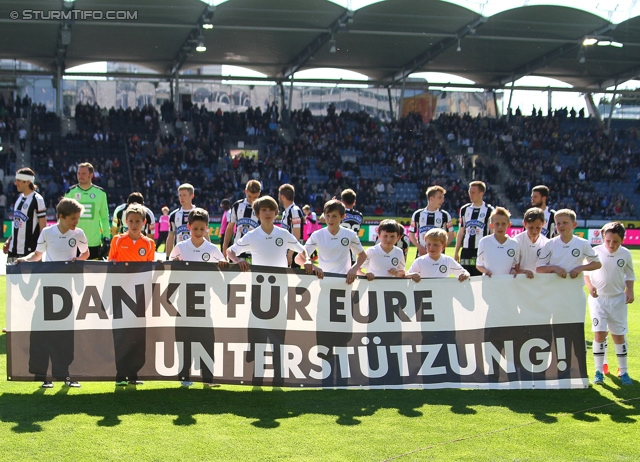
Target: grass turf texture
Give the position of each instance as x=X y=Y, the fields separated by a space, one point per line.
x=161 y=421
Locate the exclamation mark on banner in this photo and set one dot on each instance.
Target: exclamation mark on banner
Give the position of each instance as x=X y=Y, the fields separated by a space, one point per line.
x=561 y=354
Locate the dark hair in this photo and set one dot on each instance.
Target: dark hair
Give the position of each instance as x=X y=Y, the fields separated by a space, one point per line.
x=479 y=184
x=135 y=198
x=253 y=186
x=198 y=214
x=614 y=227
x=533 y=214
x=334 y=205
x=542 y=189
x=225 y=204
x=28 y=171
x=388 y=226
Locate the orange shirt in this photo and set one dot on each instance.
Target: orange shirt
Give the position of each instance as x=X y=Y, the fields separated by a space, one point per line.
x=124 y=249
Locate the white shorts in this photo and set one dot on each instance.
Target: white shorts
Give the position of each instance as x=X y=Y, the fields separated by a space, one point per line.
x=608 y=314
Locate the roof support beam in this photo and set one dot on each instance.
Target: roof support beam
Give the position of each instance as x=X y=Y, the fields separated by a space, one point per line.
x=190 y=42
x=316 y=45
x=570 y=48
x=437 y=49
x=629 y=74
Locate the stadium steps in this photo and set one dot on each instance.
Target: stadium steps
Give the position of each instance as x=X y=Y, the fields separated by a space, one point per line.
x=23 y=159
x=166 y=129
x=67 y=125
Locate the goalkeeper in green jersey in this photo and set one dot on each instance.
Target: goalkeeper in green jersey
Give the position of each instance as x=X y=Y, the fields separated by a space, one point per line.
x=94 y=221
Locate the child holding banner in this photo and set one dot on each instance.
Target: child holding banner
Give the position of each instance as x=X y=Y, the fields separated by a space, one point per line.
x=385 y=259
x=60 y=242
x=196 y=249
x=610 y=290
x=566 y=253
x=335 y=244
x=267 y=244
x=129 y=344
x=497 y=252
x=434 y=264
x=530 y=241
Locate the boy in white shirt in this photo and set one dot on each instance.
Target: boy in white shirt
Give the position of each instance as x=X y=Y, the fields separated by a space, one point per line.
x=60 y=242
x=610 y=290
x=434 y=264
x=566 y=253
x=197 y=248
x=334 y=244
x=530 y=241
x=497 y=252
x=385 y=259
x=267 y=244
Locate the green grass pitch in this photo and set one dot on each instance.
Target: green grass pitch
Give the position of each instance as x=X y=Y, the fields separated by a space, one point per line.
x=161 y=421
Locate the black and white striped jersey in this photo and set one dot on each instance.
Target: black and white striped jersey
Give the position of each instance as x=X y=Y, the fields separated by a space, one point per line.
x=352 y=220
x=475 y=221
x=120 y=222
x=243 y=217
x=178 y=221
x=26 y=228
x=423 y=220
x=549 y=230
x=293 y=217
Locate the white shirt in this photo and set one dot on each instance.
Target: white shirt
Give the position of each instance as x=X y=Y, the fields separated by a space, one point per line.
x=333 y=250
x=528 y=251
x=267 y=249
x=617 y=268
x=61 y=247
x=567 y=256
x=380 y=262
x=207 y=252
x=497 y=258
x=443 y=267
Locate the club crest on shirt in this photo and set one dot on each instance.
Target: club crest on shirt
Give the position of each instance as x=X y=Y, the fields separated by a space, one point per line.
x=482 y=215
x=279 y=242
x=72 y=242
x=538 y=252
x=575 y=252
x=620 y=263
x=92 y=196
x=443 y=268
x=394 y=261
x=142 y=252
x=511 y=252
x=78 y=196
x=595 y=321
x=206 y=256
x=438 y=220
x=344 y=241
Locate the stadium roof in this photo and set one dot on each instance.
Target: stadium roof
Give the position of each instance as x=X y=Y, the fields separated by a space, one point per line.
x=482 y=40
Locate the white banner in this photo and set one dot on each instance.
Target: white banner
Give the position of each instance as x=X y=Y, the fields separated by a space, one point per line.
x=282 y=327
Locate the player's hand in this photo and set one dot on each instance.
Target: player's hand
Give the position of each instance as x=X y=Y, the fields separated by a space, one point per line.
x=456 y=257
x=223 y=263
x=561 y=272
x=630 y=298
x=351 y=275
x=308 y=268
x=243 y=265
x=529 y=274
x=5 y=247
x=422 y=250
x=593 y=292
x=575 y=272
x=488 y=273
x=18 y=260
x=319 y=272
x=463 y=277
x=177 y=258
x=415 y=277
x=370 y=276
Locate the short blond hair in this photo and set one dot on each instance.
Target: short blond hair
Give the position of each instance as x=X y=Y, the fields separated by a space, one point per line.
x=566 y=213
x=186 y=187
x=436 y=234
x=500 y=211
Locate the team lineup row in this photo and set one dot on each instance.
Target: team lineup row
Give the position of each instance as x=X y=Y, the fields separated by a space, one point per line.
x=482 y=246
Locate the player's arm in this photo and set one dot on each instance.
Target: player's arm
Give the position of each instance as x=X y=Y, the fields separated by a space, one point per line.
x=591 y=266
x=42 y=222
x=33 y=256
x=104 y=215
x=151 y=221
x=7 y=245
x=171 y=237
x=356 y=269
x=227 y=236
x=629 y=292
x=242 y=264
x=459 y=239
x=592 y=290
